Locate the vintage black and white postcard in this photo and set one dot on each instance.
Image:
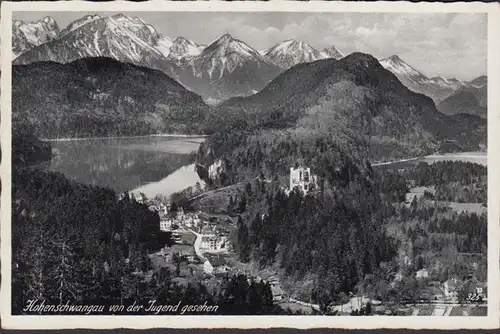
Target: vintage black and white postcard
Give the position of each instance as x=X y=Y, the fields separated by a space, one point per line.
x=242 y=165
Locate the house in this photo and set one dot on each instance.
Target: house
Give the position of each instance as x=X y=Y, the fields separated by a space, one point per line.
x=213 y=243
x=163 y=209
x=273 y=280
x=219 y=264
x=166 y=225
x=180 y=213
x=302 y=179
x=208 y=269
x=422 y=274
x=278 y=293
x=450 y=288
x=482 y=290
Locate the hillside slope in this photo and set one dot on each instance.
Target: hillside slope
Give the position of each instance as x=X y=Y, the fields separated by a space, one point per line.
x=469 y=100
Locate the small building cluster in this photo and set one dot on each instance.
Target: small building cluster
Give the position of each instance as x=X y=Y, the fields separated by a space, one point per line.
x=449 y=291
x=179 y=219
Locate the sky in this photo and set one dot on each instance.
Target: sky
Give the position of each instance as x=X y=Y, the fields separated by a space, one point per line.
x=445 y=44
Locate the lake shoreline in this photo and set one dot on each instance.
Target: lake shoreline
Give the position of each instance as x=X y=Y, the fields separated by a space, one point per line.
x=182 y=178
x=123 y=137
x=394 y=162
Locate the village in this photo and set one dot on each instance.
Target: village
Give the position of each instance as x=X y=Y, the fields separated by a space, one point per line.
x=201 y=247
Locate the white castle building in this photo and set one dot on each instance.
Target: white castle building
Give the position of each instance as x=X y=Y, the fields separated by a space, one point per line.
x=302 y=179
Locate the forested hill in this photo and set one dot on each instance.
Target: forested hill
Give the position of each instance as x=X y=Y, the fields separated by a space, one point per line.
x=353 y=103
x=470 y=100
x=102 y=97
x=27 y=149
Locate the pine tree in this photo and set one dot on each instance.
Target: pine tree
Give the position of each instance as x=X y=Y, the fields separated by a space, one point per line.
x=65 y=276
x=244 y=243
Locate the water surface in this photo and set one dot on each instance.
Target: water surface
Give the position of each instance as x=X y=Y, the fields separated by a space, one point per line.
x=124 y=163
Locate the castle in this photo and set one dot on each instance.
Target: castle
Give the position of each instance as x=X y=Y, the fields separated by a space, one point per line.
x=302 y=179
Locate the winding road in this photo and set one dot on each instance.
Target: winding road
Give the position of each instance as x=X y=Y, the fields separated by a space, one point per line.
x=197 y=244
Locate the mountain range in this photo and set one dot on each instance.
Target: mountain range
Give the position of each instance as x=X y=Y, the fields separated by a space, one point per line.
x=127 y=39
x=225 y=68
x=437 y=88
x=472 y=99
x=291 y=52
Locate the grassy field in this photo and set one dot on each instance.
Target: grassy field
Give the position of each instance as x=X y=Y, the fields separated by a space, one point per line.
x=471 y=311
x=296 y=307
x=425 y=310
x=478 y=312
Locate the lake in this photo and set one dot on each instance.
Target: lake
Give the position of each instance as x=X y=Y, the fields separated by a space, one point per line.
x=127 y=163
x=474 y=157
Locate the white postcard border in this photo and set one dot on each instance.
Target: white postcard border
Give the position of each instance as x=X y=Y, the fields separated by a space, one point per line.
x=141 y=322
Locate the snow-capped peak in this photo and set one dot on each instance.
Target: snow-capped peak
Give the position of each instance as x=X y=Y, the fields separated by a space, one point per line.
x=183 y=40
x=448 y=83
x=226 y=38
x=49 y=20
x=38 y=32
x=292 y=52
x=224 y=55
x=151 y=28
x=399 y=67
x=332 y=52
x=226 y=45
x=395 y=60
x=79 y=23
x=134 y=25
x=436 y=87
x=163 y=44
x=183 y=50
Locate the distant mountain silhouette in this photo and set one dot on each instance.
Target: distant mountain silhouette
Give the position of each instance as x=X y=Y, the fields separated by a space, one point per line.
x=469 y=100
